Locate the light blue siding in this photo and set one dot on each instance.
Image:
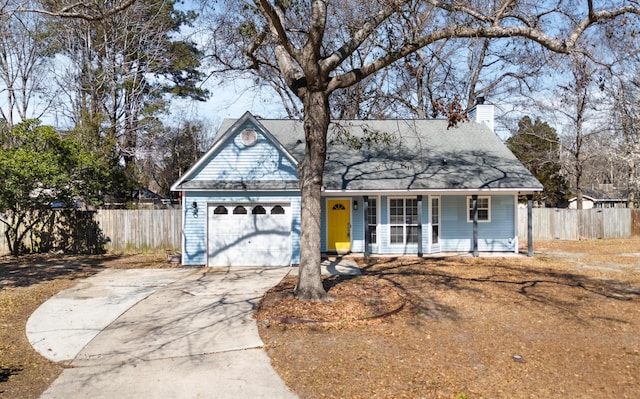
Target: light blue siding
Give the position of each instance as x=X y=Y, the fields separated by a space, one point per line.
x=499 y=235
x=426 y=224
x=194 y=246
x=195 y=227
x=357 y=226
x=296 y=206
x=235 y=161
x=456 y=233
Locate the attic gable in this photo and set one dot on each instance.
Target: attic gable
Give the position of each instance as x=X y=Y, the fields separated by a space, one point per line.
x=245 y=156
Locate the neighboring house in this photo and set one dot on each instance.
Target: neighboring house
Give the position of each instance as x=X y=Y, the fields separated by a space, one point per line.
x=605 y=196
x=413 y=194
x=146 y=198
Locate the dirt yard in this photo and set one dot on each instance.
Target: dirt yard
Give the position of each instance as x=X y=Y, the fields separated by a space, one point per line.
x=565 y=324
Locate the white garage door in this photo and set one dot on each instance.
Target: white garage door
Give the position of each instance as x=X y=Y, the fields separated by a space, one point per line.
x=242 y=234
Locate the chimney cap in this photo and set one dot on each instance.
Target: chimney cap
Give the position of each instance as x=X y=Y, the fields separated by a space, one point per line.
x=480 y=100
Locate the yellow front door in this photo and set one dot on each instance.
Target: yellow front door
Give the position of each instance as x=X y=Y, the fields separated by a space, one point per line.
x=338 y=225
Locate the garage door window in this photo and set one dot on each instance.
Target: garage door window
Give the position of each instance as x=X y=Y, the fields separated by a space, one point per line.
x=258 y=210
x=220 y=210
x=277 y=210
x=239 y=210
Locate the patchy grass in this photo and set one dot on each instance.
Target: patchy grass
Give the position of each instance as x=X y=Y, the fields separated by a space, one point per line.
x=563 y=324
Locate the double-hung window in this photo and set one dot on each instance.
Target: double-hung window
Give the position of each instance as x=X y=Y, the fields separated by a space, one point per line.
x=484 y=209
x=372 y=221
x=435 y=220
x=403 y=221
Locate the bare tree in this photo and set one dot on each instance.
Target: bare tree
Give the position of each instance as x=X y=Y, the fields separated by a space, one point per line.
x=23 y=67
x=627 y=121
x=623 y=90
x=578 y=105
x=599 y=99
x=460 y=71
x=175 y=150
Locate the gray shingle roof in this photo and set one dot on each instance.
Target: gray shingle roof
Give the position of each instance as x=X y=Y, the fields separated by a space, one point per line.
x=606 y=194
x=422 y=155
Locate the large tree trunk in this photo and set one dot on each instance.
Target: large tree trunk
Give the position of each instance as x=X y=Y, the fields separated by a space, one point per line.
x=579 y=198
x=316 y=123
x=631 y=183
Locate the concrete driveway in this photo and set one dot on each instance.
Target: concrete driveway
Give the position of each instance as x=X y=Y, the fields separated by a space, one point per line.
x=163 y=333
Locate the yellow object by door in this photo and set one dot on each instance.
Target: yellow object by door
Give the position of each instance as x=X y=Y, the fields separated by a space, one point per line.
x=339 y=225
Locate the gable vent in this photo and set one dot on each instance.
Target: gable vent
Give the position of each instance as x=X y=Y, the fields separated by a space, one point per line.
x=249 y=137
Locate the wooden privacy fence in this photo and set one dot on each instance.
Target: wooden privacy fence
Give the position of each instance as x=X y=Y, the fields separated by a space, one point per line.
x=118 y=230
x=635 y=222
x=574 y=224
x=140 y=229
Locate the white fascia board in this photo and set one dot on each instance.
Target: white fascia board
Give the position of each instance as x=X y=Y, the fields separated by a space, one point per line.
x=501 y=191
x=212 y=190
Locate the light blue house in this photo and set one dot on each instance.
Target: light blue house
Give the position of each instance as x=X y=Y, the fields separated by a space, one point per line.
x=390 y=187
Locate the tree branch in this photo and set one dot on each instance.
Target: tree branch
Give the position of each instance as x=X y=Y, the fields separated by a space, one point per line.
x=318 y=25
x=338 y=56
x=287 y=55
x=275 y=18
x=494 y=31
x=89 y=13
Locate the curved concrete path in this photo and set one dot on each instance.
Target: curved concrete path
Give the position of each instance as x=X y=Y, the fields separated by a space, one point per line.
x=159 y=333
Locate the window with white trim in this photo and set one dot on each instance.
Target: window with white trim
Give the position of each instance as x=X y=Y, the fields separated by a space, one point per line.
x=372 y=220
x=403 y=220
x=484 y=209
x=435 y=220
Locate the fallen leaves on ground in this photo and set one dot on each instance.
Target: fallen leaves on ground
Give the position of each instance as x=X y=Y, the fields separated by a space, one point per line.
x=563 y=324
